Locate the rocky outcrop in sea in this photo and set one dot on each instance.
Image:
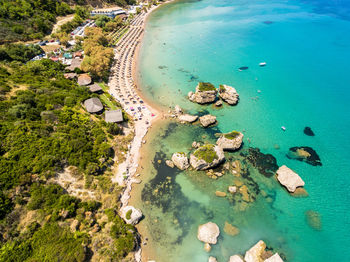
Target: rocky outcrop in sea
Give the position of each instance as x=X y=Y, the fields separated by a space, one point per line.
x=230 y=141
x=208 y=233
x=207 y=156
x=228 y=94
x=207 y=120
x=288 y=178
x=180 y=160
x=131 y=215
x=205 y=93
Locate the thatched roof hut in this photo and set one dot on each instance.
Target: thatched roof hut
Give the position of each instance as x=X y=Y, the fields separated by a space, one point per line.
x=95 y=88
x=93 y=105
x=76 y=62
x=84 y=80
x=70 y=75
x=114 y=116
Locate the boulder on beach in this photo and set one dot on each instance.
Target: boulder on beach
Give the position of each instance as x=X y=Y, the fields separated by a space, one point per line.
x=288 y=178
x=228 y=94
x=208 y=233
x=230 y=141
x=207 y=156
x=205 y=93
x=180 y=160
x=275 y=258
x=236 y=258
x=207 y=120
x=131 y=215
x=255 y=253
x=306 y=154
x=187 y=118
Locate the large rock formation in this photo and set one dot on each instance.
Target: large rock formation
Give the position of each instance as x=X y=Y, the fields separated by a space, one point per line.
x=288 y=178
x=205 y=93
x=255 y=253
x=207 y=120
x=207 y=156
x=236 y=258
x=230 y=141
x=228 y=94
x=180 y=160
x=187 y=118
x=131 y=215
x=208 y=233
x=275 y=258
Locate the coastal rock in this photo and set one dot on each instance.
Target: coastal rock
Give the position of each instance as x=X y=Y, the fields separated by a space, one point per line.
x=255 y=253
x=178 y=110
x=228 y=94
x=308 y=131
x=289 y=178
x=220 y=194
x=207 y=247
x=231 y=230
x=212 y=259
x=275 y=258
x=218 y=103
x=207 y=120
x=170 y=163
x=232 y=189
x=306 y=154
x=236 y=258
x=131 y=215
x=187 y=118
x=300 y=192
x=207 y=156
x=313 y=219
x=196 y=144
x=230 y=141
x=180 y=160
x=205 y=93
x=208 y=233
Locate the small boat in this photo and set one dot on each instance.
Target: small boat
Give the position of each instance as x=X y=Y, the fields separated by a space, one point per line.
x=283 y=128
x=243 y=68
x=262 y=64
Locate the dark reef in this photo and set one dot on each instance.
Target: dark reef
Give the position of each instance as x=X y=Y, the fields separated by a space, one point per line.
x=305 y=154
x=265 y=163
x=308 y=131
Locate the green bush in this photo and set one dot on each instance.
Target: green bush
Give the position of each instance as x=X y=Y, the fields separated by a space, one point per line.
x=206 y=153
x=128 y=214
x=232 y=135
x=206 y=86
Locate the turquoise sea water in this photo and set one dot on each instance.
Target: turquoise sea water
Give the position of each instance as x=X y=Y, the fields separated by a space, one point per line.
x=306 y=45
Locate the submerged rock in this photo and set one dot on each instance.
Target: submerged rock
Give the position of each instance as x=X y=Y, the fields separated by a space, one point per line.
x=228 y=94
x=230 y=141
x=265 y=163
x=170 y=163
x=207 y=247
x=207 y=156
x=218 y=103
x=131 y=215
x=220 y=194
x=255 y=253
x=288 y=178
x=178 y=110
x=308 y=131
x=306 y=154
x=313 y=219
x=231 y=230
x=180 y=160
x=187 y=118
x=208 y=233
x=196 y=144
x=205 y=93
x=236 y=258
x=275 y=258
x=212 y=259
x=300 y=192
x=207 y=120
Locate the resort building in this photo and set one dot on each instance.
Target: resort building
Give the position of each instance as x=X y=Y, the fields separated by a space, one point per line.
x=95 y=88
x=84 y=80
x=114 y=116
x=110 y=13
x=93 y=105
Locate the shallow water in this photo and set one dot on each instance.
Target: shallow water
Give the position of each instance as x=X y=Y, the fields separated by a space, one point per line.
x=305 y=83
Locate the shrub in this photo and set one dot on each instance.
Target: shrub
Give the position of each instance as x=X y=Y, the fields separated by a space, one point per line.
x=206 y=153
x=232 y=135
x=206 y=86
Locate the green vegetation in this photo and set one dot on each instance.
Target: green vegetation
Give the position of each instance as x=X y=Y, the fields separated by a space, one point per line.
x=98 y=57
x=81 y=13
x=206 y=153
x=222 y=88
x=128 y=214
x=232 y=135
x=206 y=86
x=29 y=19
x=19 y=52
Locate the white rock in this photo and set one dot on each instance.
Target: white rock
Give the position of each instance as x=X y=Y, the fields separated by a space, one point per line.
x=187 y=118
x=228 y=143
x=232 y=189
x=135 y=215
x=275 y=258
x=236 y=258
x=202 y=97
x=289 y=178
x=180 y=160
x=208 y=233
x=170 y=163
x=228 y=94
x=218 y=103
x=201 y=164
x=254 y=254
x=207 y=120
x=212 y=259
x=178 y=110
